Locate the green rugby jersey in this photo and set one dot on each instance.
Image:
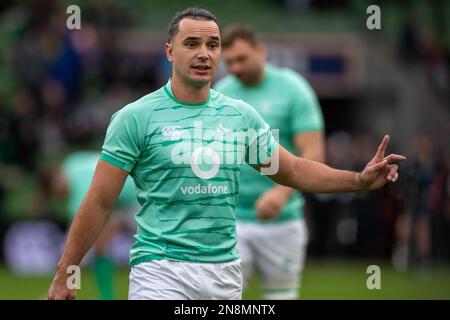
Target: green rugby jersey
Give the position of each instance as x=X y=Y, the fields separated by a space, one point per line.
x=185 y=160
x=79 y=168
x=286 y=102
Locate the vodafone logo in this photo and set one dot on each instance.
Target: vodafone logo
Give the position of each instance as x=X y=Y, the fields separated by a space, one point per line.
x=205 y=155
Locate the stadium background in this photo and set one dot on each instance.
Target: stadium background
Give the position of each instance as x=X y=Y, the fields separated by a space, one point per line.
x=58 y=89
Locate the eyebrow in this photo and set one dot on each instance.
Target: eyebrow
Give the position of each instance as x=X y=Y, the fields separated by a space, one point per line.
x=215 y=38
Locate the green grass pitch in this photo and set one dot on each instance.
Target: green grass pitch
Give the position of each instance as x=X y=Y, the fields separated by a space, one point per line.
x=321 y=280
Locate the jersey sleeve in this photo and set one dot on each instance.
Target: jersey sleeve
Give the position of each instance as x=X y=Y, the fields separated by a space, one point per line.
x=122 y=145
x=261 y=141
x=306 y=112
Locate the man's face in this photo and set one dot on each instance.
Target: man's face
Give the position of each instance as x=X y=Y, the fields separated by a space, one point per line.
x=245 y=61
x=195 y=51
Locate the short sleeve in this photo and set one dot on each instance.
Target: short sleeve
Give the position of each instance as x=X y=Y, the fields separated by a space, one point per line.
x=122 y=145
x=306 y=112
x=261 y=141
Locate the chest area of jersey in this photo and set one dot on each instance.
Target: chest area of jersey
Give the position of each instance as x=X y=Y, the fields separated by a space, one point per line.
x=206 y=143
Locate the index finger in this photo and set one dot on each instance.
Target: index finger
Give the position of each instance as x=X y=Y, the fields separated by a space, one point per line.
x=382 y=148
x=394 y=157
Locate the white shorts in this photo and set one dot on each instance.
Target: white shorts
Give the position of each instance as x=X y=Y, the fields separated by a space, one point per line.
x=172 y=280
x=277 y=251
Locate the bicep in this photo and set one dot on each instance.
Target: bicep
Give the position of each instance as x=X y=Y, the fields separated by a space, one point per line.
x=280 y=167
x=107 y=183
x=295 y=172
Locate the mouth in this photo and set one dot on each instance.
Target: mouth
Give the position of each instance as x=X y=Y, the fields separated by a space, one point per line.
x=201 y=68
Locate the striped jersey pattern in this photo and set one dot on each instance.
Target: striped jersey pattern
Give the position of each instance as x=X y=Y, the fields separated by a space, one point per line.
x=185 y=160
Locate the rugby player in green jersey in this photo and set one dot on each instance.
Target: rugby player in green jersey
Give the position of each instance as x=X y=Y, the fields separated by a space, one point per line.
x=272 y=233
x=183 y=145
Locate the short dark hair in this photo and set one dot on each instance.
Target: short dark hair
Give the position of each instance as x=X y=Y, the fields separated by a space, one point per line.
x=193 y=13
x=235 y=32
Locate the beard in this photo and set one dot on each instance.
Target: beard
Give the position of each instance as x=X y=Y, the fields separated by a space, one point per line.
x=250 y=78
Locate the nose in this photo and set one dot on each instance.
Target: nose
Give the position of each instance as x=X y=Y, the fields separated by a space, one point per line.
x=202 y=53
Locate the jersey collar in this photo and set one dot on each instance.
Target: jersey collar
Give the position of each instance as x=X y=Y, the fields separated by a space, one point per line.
x=168 y=90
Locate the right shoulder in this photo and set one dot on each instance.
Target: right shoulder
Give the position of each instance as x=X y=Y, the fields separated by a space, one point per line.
x=142 y=108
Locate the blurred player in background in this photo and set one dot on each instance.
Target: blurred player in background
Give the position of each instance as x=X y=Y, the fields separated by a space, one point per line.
x=272 y=233
x=72 y=182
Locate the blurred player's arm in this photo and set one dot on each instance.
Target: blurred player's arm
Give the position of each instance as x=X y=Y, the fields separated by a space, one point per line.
x=88 y=223
x=312 y=176
x=311 y=146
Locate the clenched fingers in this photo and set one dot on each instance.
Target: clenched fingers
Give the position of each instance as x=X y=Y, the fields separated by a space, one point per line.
x=392 y=174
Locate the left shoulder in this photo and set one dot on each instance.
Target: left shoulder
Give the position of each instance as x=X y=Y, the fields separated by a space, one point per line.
x=239 y=105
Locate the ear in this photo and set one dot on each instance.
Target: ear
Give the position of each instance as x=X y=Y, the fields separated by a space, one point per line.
x=262 y=49
x=169 y=51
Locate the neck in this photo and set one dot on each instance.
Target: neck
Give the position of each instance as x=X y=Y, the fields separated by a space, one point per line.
x=261 y=75
x=188 y=93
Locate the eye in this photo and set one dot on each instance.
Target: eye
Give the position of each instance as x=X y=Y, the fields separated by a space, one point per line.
x=241 y=59
x=213 y=45
x=191 y=44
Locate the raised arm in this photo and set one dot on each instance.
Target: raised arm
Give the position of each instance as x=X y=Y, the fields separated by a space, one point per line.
x=312 y=176
x=88 y=223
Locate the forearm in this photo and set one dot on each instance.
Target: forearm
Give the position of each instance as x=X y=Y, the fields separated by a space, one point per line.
x=86 y=227
x=312 y=176
x=317 y=177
